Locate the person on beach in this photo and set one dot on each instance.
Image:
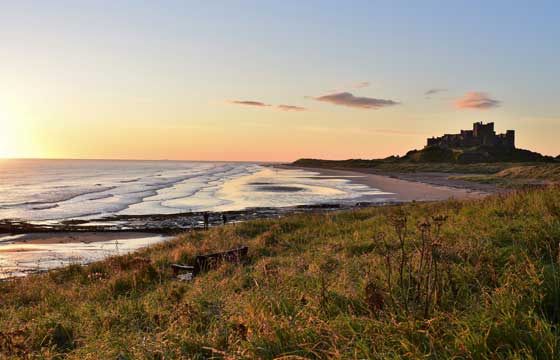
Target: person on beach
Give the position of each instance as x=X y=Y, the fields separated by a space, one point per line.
x=206 y=217
x=224 y=218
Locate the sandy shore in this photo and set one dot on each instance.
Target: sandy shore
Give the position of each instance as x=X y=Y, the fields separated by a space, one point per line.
x=415 y=187
x=404 y=190
x=70 y=237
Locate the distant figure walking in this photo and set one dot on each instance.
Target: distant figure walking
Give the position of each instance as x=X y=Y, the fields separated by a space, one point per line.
x=224 y=218
x=206 y=217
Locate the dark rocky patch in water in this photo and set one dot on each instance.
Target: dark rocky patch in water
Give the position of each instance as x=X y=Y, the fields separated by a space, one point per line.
x=166 y=223
x=279 y=188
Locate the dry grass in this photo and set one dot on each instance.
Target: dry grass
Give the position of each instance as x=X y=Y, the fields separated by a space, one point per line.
x=545 y=171
x=518 y=176
x=463 y=279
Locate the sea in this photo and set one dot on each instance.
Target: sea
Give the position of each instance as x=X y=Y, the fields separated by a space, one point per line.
x=51 y=191
x=33 y=190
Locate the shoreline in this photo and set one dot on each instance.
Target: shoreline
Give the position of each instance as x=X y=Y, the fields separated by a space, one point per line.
x=69 y=237
x=32 y=242
x=123 y=227
x=406 y=187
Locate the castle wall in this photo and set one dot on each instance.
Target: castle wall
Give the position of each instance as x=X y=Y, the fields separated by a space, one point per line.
x=481 y=134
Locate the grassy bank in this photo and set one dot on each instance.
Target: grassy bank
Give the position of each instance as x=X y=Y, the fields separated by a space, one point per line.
x=465 y=279
x=518 y=176
x=502 y=174
x=400 y=166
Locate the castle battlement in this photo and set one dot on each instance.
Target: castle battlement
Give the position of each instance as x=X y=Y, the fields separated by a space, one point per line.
x=480 y=135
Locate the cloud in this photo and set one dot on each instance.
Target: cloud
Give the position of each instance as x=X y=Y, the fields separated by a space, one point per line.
x=434 y=91
x=347 y=99
x=248 y=103
x=290 y=108
x=476 y=100
x=360 y=85
x=259 y=104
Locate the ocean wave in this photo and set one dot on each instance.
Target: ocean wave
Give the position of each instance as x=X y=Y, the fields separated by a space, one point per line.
x=101 y=197
x=57 y=198
x=88 y=189
x=130 y=181
x=45 y=207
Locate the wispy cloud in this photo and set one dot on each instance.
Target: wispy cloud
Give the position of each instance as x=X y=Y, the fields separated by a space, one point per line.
x=351 y=86
x=248 y=103
x=290 y=108
x=360 y=85
x=259 y=104
x=476 y=100
x=347 y=99
x=434 y=91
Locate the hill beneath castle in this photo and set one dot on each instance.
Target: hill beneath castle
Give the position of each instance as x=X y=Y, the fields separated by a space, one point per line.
x=435 y=157
x=471 y=155
x=480 y=145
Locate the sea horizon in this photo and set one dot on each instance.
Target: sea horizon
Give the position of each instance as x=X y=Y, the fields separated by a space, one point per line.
x=64 y=189
x=137 y=160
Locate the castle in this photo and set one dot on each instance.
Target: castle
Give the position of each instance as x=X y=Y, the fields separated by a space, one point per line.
x=480 y=135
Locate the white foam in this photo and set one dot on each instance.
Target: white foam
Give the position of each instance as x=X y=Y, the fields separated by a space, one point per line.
x=39 y=190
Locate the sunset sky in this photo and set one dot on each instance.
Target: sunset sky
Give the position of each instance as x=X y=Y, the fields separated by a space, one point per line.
x=272 y=80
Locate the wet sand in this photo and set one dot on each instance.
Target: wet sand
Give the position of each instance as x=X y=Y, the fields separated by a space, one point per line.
x=403 y=190
x=70 y=237
x=414 y=187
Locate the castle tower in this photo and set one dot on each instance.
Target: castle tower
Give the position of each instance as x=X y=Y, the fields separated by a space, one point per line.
x=510 y=139
x=481 y=130
x=481 y=135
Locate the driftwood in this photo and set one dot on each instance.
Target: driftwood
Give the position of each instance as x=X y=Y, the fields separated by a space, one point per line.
x=211 y=261
x=177 y=268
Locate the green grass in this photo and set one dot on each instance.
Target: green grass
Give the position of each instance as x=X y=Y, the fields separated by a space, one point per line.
x=479 y=280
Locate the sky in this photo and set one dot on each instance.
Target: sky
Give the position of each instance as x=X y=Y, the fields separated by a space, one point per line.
x=272 y=80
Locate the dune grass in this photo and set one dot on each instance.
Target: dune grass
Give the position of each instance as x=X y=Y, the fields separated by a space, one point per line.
x=454 y=279
x=541 y=171
x=518 y=176
x=409 y=167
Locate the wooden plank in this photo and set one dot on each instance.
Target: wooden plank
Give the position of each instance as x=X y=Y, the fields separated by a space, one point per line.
x=177 y=268
x=211 y=261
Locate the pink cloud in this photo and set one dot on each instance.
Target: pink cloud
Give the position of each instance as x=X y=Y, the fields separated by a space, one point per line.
x=290 y=108
x=476 y=100
x=360 y=85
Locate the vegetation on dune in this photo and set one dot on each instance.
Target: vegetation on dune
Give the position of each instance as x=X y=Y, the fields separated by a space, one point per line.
x=502 y=174
x=473 y=155
x=474 y=160
x=542 y=171
x=453 y=279
x=405 y=167
x=518 y=176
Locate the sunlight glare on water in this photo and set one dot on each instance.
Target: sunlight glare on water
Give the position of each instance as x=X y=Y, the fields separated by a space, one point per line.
x=42 y=190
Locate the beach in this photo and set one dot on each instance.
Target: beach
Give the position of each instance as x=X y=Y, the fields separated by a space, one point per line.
x=407 y=187
x=374 y=190
x=253 y=192
x=24 y=254
x=50 y=238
